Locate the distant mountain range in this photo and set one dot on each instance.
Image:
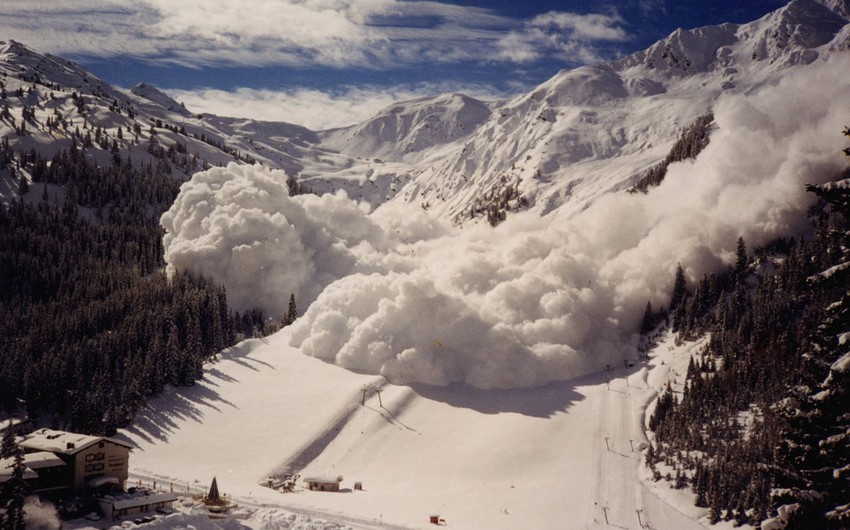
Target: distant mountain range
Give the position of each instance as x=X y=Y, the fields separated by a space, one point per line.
x=581 y=134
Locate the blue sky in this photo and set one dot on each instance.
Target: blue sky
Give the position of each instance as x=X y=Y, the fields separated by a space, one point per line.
x=326 y=63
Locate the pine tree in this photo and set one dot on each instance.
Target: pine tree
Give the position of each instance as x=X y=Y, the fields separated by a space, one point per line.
x=679 y=289
x=741 y=260
x=14 y=489
x=291 y=312
x=648 y=323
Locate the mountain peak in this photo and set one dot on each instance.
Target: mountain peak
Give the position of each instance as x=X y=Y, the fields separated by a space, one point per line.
x=155 y=95
x=788 y=35
x=13 y=47
x=791 y=34
x=412 y=127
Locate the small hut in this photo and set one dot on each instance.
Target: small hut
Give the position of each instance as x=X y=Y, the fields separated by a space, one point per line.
x=323 y=483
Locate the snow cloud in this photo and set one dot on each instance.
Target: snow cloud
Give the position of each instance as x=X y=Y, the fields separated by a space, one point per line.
x=535 y=299
x=239 y=227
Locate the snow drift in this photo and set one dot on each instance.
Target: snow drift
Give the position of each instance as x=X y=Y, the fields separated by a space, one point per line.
x=534 y=300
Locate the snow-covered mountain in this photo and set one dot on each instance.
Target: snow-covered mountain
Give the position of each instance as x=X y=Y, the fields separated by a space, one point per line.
x=577 y=136
x=411 y=127
x=555 y=150
x=159 y=97
x=465 y=320
x=591 y=130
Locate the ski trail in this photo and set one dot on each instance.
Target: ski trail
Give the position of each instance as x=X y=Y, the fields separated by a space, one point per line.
x=620 y=499
x=623 y=501
x=595 y=517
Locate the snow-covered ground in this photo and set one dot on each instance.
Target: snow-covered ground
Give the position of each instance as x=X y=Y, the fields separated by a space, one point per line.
x=566 y=455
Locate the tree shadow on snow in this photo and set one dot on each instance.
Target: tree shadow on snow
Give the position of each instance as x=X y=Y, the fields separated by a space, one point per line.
x=241 y=354
x=156 y=421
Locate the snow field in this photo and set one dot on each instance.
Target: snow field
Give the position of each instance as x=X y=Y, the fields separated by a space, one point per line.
x=524 y=458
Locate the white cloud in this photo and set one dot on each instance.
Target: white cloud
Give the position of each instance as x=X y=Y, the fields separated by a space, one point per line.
x=535 y=299
x=584 y=27
x=649 y=7
x=569 y=36
x=324 y=31
x=314 y=109
x=337 y=33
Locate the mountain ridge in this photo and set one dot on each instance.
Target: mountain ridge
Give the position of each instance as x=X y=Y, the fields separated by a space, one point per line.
x=578 y=135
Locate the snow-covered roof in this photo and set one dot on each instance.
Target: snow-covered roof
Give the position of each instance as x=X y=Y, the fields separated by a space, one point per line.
x=62 y=442
x=7 y=466
x=42 y=459
x=11 y=422
x=134 y=500
x=322 y=480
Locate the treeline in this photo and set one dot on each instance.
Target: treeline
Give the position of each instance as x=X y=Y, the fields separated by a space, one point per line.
x=764 y=416
x=494 y=204
x=691 y=142
x=90 y=326
x=120 y=192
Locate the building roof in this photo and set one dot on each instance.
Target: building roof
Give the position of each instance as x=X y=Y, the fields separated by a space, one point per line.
x=7 y=466
x=133 y=500
x=42 y=459
x=11 y=422
x=322 y=480
x=62 y=442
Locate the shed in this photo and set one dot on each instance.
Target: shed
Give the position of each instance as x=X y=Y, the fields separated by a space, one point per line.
x=323 y=483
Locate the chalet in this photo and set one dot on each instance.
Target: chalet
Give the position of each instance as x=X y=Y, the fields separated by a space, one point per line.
x=75 y=462
x=323 y=483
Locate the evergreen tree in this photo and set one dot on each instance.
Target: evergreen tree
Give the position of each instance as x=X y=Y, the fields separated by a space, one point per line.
x=778 y=353
x=13 y=490
x=648 y=322
x=291 y=312
x=741 y=260
x=679 y=289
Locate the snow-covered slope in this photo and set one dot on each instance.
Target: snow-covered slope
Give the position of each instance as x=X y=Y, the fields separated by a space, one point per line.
x=68 y=102
x=411 y=127
x=561 y=456
x=162 y=99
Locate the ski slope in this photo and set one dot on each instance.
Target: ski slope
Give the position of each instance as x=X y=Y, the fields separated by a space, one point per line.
x=566 y=455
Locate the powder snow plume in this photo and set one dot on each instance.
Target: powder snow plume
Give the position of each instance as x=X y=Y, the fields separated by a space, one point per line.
x=534 y=300
x=239 y=227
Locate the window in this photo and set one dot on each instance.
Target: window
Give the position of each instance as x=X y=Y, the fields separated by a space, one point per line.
x=94 y=467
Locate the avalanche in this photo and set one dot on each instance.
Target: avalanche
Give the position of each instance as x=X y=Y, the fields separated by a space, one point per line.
x=534 y=300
